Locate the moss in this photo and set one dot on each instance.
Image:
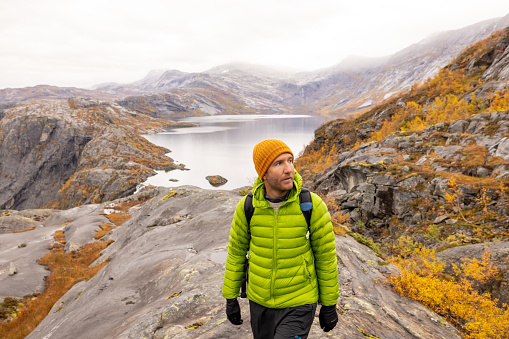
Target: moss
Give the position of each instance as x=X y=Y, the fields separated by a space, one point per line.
x=491 y=128
x=174 y=295
x=193 y=326
x=8 y=307
x=367 y=335
x=169 y=195
x=245 y=192
x=367 y=242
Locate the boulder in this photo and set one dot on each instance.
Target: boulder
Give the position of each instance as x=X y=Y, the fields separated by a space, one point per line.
x=457 y=126
x=216 y=180
x=12 y=269
x=503 y=149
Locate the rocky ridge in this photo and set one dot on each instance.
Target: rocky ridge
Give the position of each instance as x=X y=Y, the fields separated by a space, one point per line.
x=444 y=186
x=396 y=187
x=64 y=154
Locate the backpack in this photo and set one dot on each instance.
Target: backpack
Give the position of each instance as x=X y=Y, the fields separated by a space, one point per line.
x=306 y=206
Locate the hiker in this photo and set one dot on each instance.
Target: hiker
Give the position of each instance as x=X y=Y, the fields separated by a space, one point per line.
x=292 y=266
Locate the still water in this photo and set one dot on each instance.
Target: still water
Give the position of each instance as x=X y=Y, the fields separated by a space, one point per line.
x=223 y=145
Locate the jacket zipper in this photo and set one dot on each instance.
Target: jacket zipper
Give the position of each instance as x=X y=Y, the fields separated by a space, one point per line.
x=274 y=256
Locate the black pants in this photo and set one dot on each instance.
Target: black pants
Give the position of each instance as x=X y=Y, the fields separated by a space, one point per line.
x=281 y=323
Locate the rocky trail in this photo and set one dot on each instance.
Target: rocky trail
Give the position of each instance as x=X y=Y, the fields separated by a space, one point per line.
x=165 y=271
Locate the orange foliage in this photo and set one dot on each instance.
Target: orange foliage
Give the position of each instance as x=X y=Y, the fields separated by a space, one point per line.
x=338 y=218
x=422 y=279
x=118 y=218
x=66 y=270
x=59 y=236
x=105 y=229
x=316 y=161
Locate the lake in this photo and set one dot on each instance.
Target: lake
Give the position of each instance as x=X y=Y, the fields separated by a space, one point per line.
x=223 y=145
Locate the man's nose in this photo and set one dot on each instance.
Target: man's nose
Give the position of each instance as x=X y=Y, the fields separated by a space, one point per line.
x=288 y=167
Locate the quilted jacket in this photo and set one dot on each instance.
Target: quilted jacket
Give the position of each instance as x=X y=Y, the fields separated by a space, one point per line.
x=284 y=270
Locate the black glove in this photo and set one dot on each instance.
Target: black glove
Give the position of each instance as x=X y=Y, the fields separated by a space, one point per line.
x=328 y=317
x=233 y=311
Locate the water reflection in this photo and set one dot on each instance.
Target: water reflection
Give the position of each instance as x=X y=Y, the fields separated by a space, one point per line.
x=223 y=145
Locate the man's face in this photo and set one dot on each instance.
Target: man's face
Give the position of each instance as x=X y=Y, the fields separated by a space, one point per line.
x=279 y=176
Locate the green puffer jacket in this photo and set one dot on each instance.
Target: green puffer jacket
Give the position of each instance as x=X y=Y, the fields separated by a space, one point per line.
x=284 y=271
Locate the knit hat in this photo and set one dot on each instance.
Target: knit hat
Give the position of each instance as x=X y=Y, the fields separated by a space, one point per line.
x=265 y=152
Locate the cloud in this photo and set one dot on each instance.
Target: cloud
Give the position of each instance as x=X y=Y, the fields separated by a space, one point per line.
x=81 y=43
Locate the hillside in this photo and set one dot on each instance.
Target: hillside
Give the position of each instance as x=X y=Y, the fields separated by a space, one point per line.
x=428 y=169
x=65 y=153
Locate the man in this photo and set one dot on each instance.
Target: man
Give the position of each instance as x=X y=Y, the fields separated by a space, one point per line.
x=289 y=269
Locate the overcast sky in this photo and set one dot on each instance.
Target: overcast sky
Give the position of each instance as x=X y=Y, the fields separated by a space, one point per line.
x=85 y=42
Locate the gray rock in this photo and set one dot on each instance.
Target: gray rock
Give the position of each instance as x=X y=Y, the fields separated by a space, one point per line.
x=478 y=171
x=350 y=205
x=405 y=169
x=82 y=231
x=384 y=180
x=503 y=149
x=349 y=177
x=499 y=69
x=422 y=160
x=475 y=126
x=450 y=152
x=481 y=116
x=383 y=202
x=411 y=182
x=12 y=269
x=440 y=219
x=216 y=180
x=154 y=287
x=457 y=126
x=401 y=202
x=45 y=158
x=15 y=222
x=500 y=171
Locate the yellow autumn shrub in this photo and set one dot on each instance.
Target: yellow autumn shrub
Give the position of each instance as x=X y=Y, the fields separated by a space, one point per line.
x=475 y=314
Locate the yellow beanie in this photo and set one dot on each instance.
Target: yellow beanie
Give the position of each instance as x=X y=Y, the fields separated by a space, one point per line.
x=265 y=152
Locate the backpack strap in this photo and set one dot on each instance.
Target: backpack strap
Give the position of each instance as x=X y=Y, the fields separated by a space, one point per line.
x=249 y=210
x=306 y=206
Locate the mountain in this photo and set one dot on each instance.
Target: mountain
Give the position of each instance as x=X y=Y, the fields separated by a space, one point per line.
x=350 y=86
x=47 y=92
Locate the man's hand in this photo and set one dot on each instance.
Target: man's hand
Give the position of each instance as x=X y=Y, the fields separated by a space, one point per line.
x=328 y=317
x=233 y=311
